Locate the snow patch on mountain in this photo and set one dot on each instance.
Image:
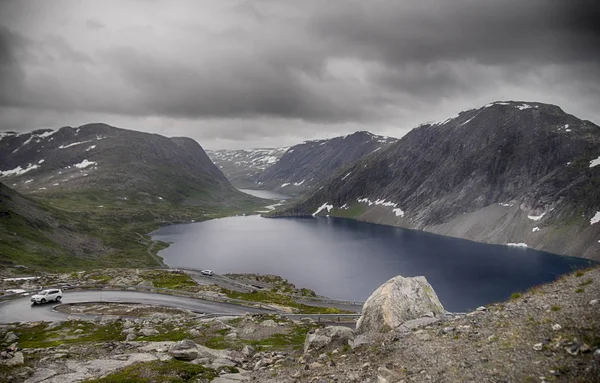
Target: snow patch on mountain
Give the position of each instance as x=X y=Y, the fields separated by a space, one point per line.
x=595 y=162
x=73 y=144
x=324 y=206
x=84 y=164
x=18 y=171
x=536 y=217
x=521 y=244
x=595 y=218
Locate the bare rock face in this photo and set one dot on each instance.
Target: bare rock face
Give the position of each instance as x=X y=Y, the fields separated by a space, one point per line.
x=396 y=301
x=328 y=337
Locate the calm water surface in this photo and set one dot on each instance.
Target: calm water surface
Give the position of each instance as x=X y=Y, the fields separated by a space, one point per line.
x=347 y=259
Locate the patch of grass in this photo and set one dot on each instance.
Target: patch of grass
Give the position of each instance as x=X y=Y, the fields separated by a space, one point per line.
x=555 y=308
x=352 y=212
x=580 y=273
x=281 y=299
x=294 y=339
x=172 y=335
x=586 y=282
x=515 y=296
x=218 y=343
x=171 y=280
x=158 y=372
x=39 y=337
x=580 y=290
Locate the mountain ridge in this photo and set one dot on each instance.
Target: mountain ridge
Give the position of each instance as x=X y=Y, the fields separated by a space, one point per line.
x=109 y=185
x=509 y=172
x=304 y=165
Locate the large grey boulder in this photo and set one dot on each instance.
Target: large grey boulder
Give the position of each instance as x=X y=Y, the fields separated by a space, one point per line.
x=396 y=301
x=328 y=337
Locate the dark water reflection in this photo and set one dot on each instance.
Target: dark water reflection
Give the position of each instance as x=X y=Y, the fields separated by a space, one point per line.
x=348 y=259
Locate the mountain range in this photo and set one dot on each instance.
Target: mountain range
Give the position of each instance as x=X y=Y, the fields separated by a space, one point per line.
x=94 y=191
x=304 y=165
x=517 y=173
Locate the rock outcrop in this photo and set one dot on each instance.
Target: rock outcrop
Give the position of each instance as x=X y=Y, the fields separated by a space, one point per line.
x=328 y=337
x=184 y=350
x=396 y=301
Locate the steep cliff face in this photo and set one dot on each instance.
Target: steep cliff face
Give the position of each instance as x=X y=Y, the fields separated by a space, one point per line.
x=305 y=165
x=509 y=172
x=99 y=158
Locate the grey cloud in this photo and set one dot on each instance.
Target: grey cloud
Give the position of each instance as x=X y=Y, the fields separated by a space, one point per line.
x=250 y=69
x=497 y=32
x=94 y=24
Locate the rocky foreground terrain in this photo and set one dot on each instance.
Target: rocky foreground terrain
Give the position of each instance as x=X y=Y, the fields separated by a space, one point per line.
x=548 y=334
x=513 y=172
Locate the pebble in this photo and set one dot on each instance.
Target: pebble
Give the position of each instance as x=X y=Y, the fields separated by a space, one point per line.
x=538 y=346
x=594 y=302
x=556 y=327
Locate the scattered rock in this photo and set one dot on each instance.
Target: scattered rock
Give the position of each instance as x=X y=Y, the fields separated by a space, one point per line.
x=269 y=323
x=385 y=375
x=148 y=332
x=538 y=346
x=360 y=340
x=17 y=360
x=130 y=337
x=594 y=302
x=10 y=337
x=184 y=350
x=396 y=301
x=53 y=325
x=556 y=327
x=248 y=351
x=328 y=337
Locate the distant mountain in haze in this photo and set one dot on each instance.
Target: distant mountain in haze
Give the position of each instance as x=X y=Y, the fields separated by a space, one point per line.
x=521 y=173
x=305 y=165
x=243 y=165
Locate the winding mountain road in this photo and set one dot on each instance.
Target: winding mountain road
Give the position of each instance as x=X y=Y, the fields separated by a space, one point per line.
x=21 y=309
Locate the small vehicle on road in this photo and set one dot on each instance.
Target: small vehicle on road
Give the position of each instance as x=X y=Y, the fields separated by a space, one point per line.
x=207 y=272
x=49 y=295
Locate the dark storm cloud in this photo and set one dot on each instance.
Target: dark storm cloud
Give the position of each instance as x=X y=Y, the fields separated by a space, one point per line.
x=490 y=32
x=264 y=68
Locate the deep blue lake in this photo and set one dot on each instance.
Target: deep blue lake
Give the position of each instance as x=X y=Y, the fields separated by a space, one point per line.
x=346 y=259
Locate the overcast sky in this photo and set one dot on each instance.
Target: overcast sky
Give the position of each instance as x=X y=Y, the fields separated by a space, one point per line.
x=258 y=73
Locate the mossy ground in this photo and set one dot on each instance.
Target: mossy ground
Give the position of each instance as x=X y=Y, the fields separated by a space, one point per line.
x=115 y=225
x=283 y=300
x=157 y=372
x=39 y=336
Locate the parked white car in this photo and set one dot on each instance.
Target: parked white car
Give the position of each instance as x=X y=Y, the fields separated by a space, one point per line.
x=47 y=296
x=207 y=272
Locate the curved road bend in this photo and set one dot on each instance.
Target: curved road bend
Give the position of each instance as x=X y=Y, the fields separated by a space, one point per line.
x=21 y=309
